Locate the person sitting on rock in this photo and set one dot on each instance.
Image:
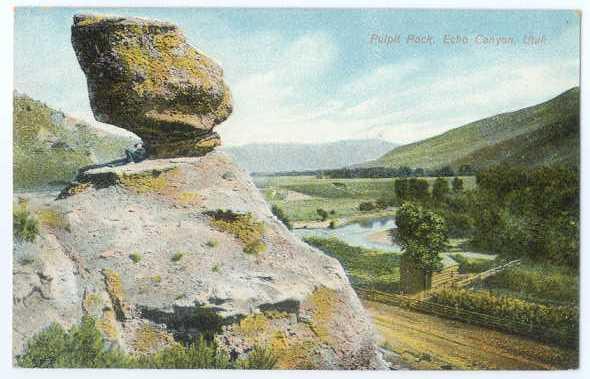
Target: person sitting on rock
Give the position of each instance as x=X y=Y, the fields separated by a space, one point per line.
x=135 y=154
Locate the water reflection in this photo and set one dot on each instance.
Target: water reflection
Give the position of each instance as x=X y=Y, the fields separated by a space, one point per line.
x=372 y=234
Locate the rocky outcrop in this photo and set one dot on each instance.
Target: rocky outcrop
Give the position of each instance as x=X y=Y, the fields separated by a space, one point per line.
x=143 y=76
x=172 y=249
x=191 y=274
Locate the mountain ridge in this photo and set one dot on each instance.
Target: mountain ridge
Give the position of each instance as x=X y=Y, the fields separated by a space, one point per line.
x=278 y=157
x=511 y=137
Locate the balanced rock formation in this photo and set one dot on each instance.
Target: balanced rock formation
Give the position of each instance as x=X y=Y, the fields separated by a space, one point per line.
x=143 y=76
x=167 y=250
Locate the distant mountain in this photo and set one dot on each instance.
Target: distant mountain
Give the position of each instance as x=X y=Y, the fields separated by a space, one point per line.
x=275 y=157
x=544 y=134
x=49 y=146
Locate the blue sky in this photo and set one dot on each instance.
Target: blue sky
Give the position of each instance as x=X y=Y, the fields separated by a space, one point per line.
x=302 y=75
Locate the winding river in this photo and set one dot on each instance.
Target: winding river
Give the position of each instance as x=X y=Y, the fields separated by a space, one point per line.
x=372 y=234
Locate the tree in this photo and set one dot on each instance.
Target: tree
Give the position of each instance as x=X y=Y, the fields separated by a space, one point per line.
x=466 y=170
x=417 y=189
x=404 y=171
x=400 y=188
x=446 y=171
x=440 y=189
x=422 y=236
x=457 y=185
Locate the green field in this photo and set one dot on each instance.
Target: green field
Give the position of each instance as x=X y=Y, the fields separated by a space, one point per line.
x=365 y=268
x=301 y=196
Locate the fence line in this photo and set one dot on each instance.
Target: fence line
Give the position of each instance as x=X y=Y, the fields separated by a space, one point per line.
x=486 y=274
x=457 y=313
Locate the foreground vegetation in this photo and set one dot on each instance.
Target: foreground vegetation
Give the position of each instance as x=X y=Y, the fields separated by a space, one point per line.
x=537 y=282
x=561 y=318
x=83 y=346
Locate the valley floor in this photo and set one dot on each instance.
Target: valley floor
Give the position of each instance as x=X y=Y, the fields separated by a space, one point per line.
x=429 y=342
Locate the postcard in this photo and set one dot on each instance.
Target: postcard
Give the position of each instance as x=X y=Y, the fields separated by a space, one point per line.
x=296 y=188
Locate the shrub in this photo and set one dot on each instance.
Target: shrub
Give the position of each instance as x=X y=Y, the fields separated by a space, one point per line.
x=322 y=213
x=243 y=226
x=135 y=257
x=282 y=216
x=212 y=243
x=367 y=206
x=260 y=358
x=25 y=225
x=202 y=354
x=177 y=257
x=332 y=225
x=83 y=346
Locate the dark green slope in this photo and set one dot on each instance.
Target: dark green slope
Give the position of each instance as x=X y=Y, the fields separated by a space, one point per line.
x=547 y=133
x=49 y=147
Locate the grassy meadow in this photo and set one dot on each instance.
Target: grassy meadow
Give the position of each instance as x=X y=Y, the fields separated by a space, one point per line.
x=301 y=196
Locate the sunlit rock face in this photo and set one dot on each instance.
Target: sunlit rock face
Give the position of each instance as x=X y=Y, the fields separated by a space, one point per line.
x=143 y=76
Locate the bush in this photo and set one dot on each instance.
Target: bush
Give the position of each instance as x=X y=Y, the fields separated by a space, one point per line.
x=84 y=347
x=282 y=216
x=322 y=213
x=135 y=257
x=260 y=358
x=367 y=206
x=25 y=225
x=212 y=243
x=81 y=346
x=177 y=257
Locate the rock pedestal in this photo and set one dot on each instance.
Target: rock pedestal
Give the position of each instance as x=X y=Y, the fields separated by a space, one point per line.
x=143 y=76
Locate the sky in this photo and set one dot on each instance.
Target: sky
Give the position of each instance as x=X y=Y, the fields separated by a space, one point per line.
x=303 y=75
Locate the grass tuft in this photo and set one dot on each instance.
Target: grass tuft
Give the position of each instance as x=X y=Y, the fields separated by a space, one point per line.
x=243 y=226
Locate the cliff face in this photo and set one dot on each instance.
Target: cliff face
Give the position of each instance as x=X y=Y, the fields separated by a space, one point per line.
x=142 y=248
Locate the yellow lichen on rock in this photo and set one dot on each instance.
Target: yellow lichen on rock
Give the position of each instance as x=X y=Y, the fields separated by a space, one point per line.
x=149 y=339
x=253 y=326
x=323 y=301
x=108 y=325
x=243 y=226
x=114 y=288
x=53 y=219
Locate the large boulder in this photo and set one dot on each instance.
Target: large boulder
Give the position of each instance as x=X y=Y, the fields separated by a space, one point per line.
x=143 y=76
x=149 y=255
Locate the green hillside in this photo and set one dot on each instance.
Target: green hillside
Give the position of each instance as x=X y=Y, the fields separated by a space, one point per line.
x=50 y=147
x=547 y=133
